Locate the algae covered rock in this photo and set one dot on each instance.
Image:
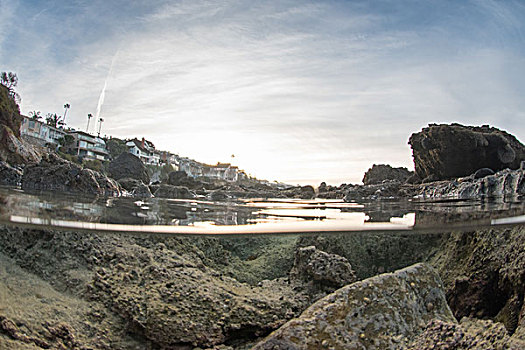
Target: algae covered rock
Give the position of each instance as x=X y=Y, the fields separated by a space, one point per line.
x=381 y=312
x=321 y=269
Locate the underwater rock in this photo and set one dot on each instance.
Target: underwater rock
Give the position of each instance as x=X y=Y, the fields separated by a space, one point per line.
x=468 y=334
x=445 y=151
x=376 y=313
x=321 y=269
x=381 y=172
x=128 y=165
x=484 y=274
x=57 y=174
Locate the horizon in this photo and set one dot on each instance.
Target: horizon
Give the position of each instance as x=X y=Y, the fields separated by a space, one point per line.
x=300 y=92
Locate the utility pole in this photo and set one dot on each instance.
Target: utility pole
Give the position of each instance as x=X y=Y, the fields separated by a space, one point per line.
x=66 y=107
x=100 y=125
x=89 y=118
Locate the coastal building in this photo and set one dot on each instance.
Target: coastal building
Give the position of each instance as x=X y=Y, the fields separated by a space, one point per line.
x=144 y=150
x=39 y=133
x=169 y=159
x=87 y=146
x=222 y=171
x=191 y=167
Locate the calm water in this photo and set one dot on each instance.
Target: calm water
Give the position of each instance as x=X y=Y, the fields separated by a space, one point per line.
x=254 y=216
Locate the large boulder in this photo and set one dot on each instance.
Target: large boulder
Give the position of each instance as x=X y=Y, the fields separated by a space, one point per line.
x=128 y=165
x=299 y=192
x=377 y=313
x=56 y=174
x=381 y=172
x=180 y=178
x=448 y=151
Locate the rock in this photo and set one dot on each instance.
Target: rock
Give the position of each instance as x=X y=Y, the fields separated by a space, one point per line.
x=300 y=192
x=381 y=172
x=175 y=192
x=141 y=191
x=129 y=184
x=56 y=174
x=450 y=151
x=180 y=178
x=483 y=273
x=128 y=165
x=219 y=196
x=386 y=189
x=8 y=175
x=376 y=313
x=469 y=334
x=321 y=269
x=13 y=149
x=504 y=183
x=481 y=173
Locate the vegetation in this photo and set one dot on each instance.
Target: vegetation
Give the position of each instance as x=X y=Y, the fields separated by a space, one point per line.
x=96 y=165
x=9 y=110
x=115 y=147
x=66 y=141
x=54 y=120
x=10 y=80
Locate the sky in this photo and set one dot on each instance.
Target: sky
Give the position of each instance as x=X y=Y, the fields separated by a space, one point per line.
x=298 y=91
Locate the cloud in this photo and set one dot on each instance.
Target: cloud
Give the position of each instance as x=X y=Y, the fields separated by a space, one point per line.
x=300 y=91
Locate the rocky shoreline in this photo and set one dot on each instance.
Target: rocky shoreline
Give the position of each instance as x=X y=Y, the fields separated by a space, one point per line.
x=119 y=291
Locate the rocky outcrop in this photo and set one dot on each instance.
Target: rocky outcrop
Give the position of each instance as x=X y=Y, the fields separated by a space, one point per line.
x=383 y=172
x=320 y=269
x=174 y=192
x=444 y=151
x=13 y=149
x=56 y=174
x=180 y=178
x=141 y=191
x=483 y=273
x=386 y=189
x=381 y=312
x=504 y=183
x=299 y=192
x=128 y=166
x=9 y=175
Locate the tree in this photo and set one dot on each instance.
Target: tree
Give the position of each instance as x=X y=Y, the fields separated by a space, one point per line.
x=66 y=141
x=54 y=120
x=35 y=115
x=10 y=80
x=66 y=107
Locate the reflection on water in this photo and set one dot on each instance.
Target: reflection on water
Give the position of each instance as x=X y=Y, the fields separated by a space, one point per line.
x=254 y=216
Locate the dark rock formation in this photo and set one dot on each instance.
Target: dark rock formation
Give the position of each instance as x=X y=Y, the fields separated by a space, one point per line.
x=57 y=174
x=481 y=173
x=386 y=189
x=377 y=313
x=129 y=184
x=175 y=192
x=180 y=178
x=299 y=192
x=448 y=151
x=219 y=196
x=8 y=175
x=381 y=172
x=483 y=273
x=128 y=166
x=141 y=191
x=321 y=269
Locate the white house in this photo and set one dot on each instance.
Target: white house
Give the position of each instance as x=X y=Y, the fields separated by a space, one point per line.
x=144 y=150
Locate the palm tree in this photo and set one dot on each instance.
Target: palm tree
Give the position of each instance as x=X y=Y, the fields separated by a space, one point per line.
x=89 y=118
x=66 y=107
x=100 y=125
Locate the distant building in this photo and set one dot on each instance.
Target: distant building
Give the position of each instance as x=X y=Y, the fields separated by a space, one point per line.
x=191 y=167
x=222 y=171
x=144 y=150
x=87 y=146
x=38 y=132
x=169 y=159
